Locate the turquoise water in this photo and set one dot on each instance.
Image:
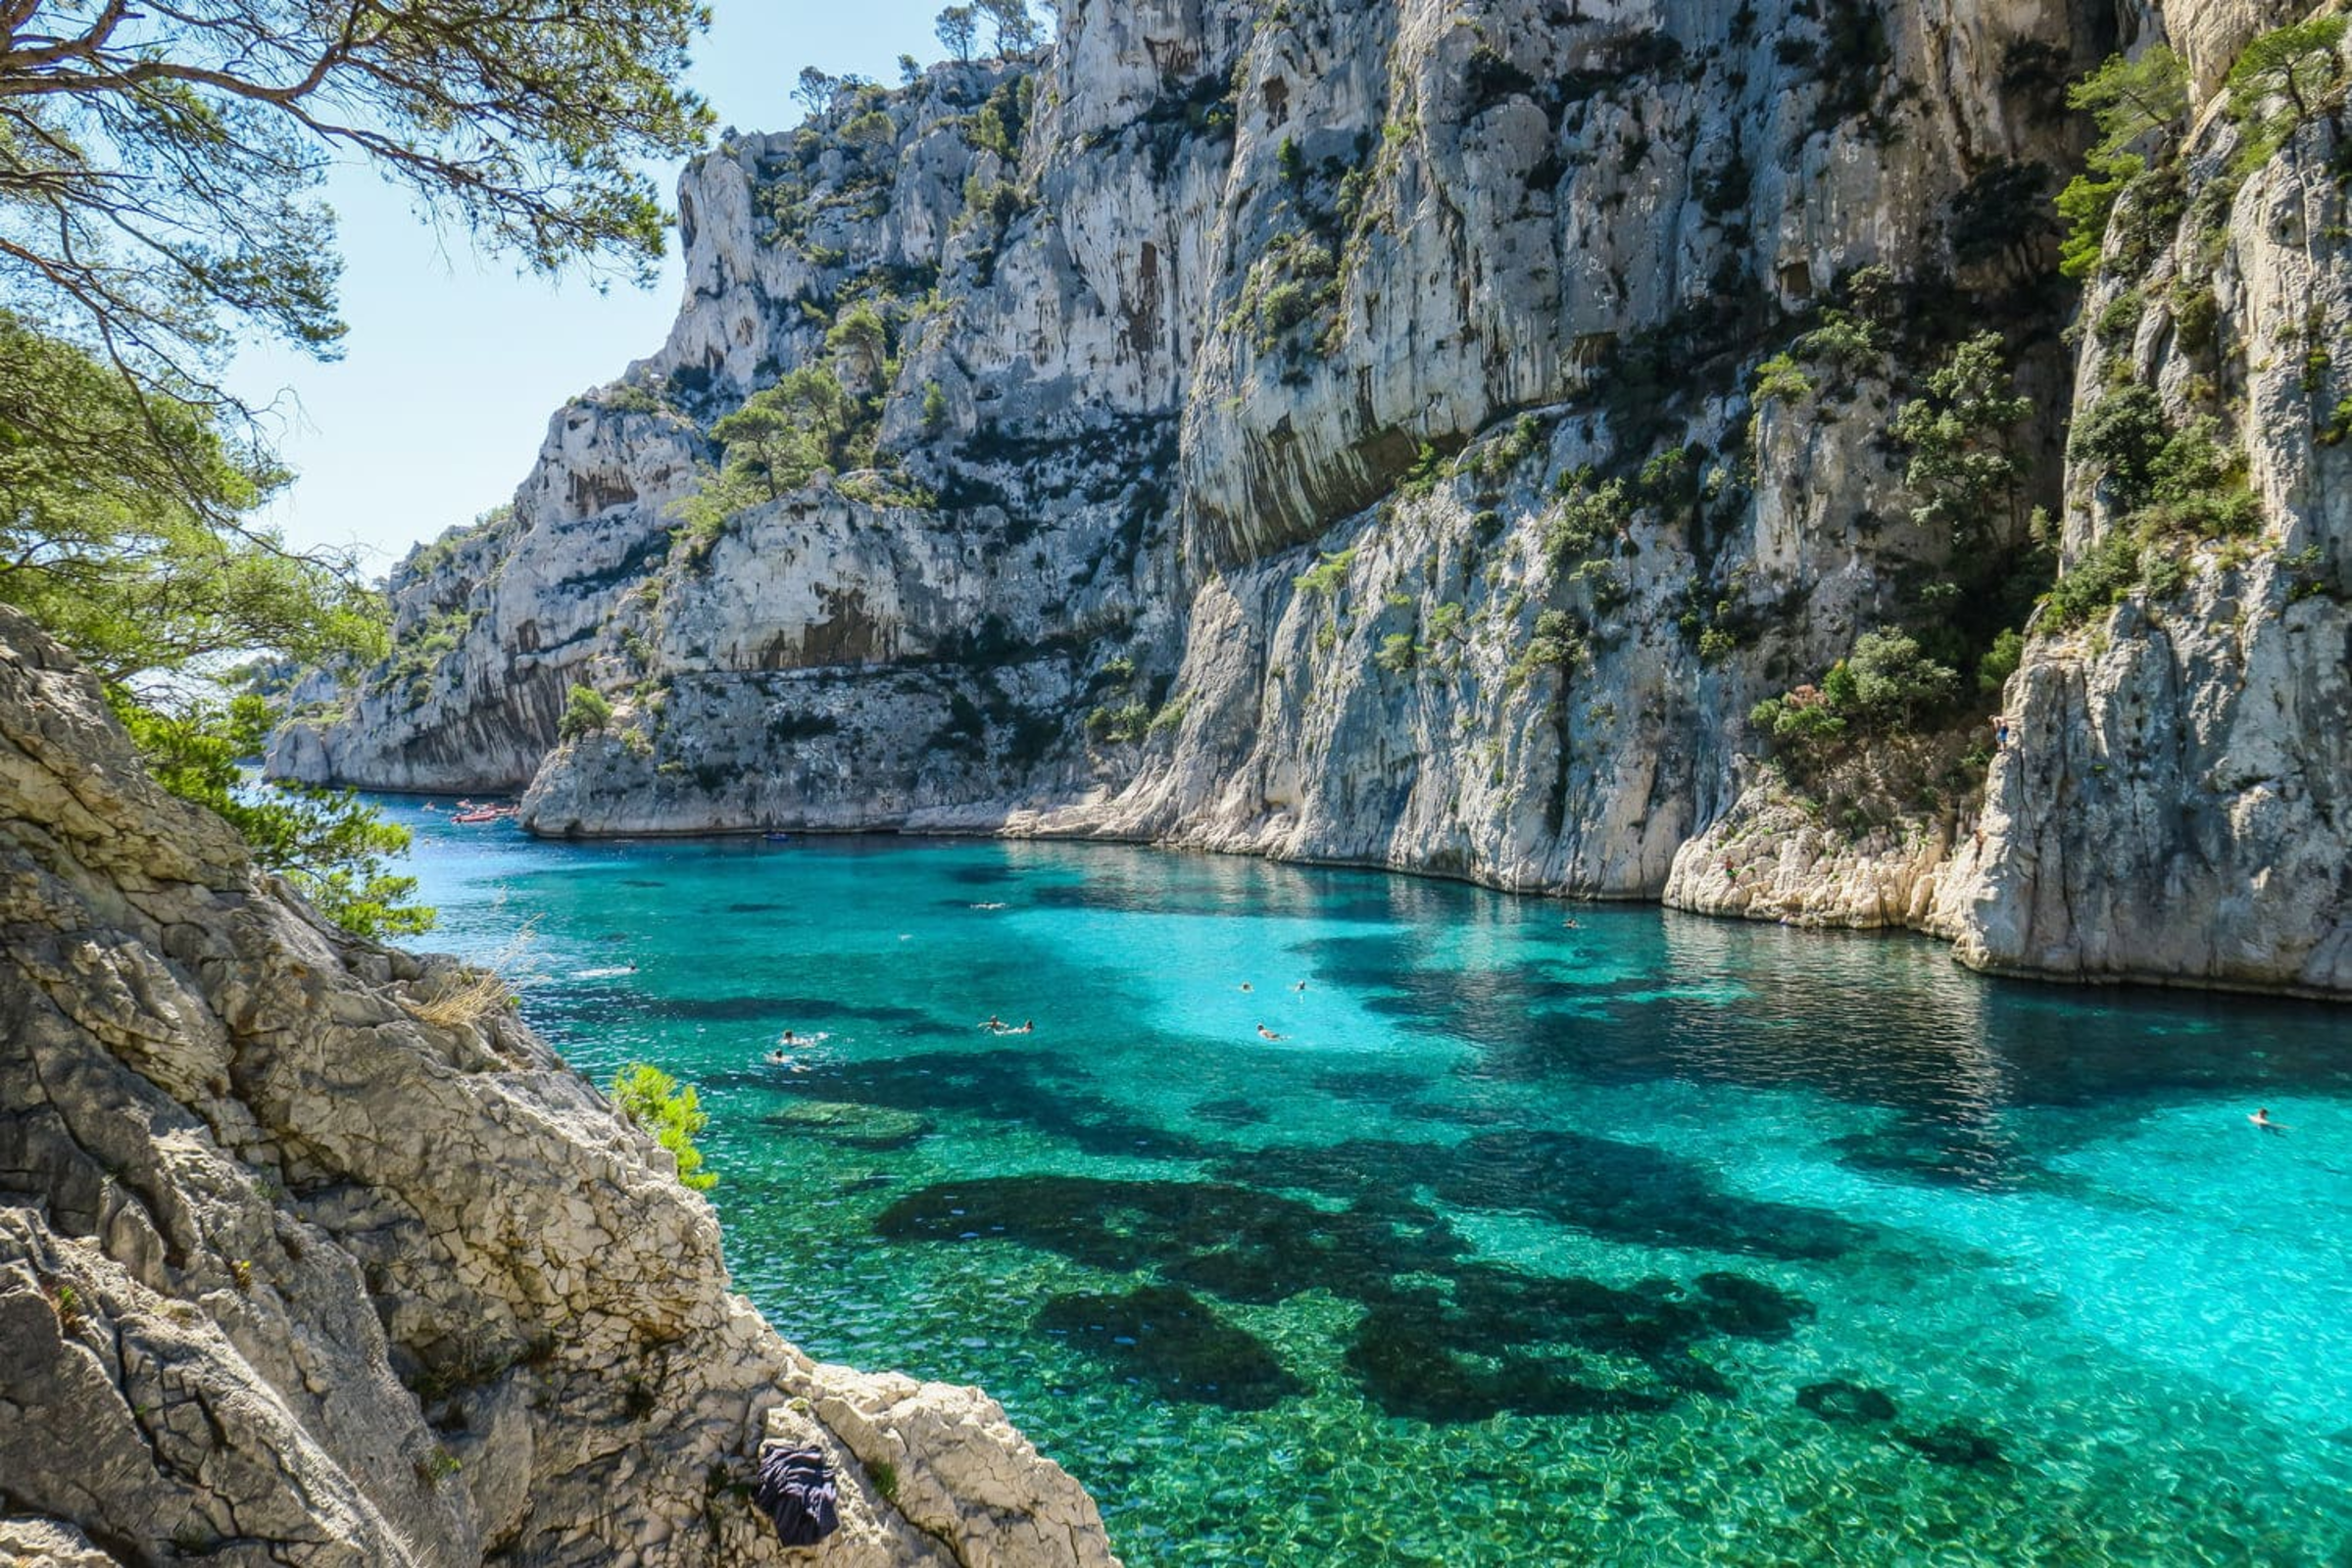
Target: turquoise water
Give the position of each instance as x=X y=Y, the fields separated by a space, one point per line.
x=1651 y=1240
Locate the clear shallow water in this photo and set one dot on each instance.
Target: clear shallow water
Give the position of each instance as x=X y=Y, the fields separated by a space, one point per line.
x=1657 y=1239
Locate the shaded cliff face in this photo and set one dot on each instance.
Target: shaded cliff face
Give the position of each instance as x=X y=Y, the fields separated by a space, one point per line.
x=294 y=1266
x=1327 y=431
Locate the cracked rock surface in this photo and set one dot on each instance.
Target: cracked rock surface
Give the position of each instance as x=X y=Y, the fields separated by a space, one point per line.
x=291 y=1275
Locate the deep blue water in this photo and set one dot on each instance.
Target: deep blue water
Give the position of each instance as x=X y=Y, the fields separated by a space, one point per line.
x=1656 y=1238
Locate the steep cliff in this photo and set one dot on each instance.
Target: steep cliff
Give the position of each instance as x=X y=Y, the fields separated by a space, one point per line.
x=1335 y=431
x=300 y=1260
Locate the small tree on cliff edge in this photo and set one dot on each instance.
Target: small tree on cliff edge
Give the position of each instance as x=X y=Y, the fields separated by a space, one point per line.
x=1017 y=29
x=959 y=29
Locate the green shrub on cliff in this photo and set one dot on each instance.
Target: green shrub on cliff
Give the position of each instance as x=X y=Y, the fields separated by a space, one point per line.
x=2168 y=488
x=585 y=713
x=1968 y=459
x=2283 y=78
x=2132 y=102
x=670 y=1111
x=1888 y=686
x=331 y=845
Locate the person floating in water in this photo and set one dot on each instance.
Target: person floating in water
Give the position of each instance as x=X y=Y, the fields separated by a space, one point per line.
x=2262 y=1119
x=1028 y=1027
x=1266 y=1033
x=995 y=1025
x=1247 y=986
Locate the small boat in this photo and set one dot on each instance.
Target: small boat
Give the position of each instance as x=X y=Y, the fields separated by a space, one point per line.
x=477 y=818
x=775 y=838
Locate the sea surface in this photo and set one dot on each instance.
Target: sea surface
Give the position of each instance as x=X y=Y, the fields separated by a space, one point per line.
x=1544 y=1234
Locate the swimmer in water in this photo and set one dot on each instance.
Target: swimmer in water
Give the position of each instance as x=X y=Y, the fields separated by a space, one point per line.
x=1028 y=1027
x=1247 y=986
x=2262 y=1119
x=1571 y=924
x=995 y=1025
x=1264 y=1033
x=777 y=1058
x=789 y=1037
x=1300 y=986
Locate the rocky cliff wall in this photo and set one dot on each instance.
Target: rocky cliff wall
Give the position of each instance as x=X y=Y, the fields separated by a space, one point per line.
x=2179 y=805
x=1331 y=431
x=296 y=1265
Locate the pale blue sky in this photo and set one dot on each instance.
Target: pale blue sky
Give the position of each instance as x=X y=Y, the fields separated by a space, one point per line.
x=454 y=362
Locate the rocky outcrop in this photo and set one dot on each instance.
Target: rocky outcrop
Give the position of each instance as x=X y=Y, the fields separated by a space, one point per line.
x=1330 y=431
x=2179 y=805
x=304 y=1257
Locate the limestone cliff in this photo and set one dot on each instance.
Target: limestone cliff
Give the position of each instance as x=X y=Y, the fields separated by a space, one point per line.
x=301 y=1261
x=1331 y=430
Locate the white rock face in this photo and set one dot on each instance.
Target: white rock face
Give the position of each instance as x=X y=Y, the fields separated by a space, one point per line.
x=1418 y=301
x=2176 y=808
x=290 y=1271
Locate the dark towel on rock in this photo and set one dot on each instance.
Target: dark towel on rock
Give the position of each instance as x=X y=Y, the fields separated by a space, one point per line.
x=796 y=1489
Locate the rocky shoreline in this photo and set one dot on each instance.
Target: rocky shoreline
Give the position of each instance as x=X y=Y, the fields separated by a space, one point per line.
x=304 y=1257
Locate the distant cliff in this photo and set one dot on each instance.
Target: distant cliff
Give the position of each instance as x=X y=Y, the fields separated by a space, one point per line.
x=1420 y=434
x=302 y=1261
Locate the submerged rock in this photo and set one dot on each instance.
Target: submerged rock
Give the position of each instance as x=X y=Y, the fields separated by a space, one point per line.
x=868 y=1127
x=295 y=1267
x=1174 y=1341
x=1954 y=1443
x=1844 y=1403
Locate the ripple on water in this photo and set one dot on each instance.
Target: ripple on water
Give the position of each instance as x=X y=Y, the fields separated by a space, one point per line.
x=1656 y=1239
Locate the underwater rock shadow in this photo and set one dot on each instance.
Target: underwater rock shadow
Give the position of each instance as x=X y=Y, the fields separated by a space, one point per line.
x=1232 y=1112
x=1604 y=1186
x=1010 y=1088
x=1177 y=1342
x=875 y=1128
x=1442 y=1340
x=1632 y=1192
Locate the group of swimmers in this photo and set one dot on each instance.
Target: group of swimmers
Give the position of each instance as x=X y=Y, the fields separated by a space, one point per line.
x=1264 y=1033
x=778 y=1056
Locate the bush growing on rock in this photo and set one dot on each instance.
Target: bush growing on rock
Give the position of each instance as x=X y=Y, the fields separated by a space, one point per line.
x=2129 y=100
x=670 y=1111
x=586 y=712
x=328 y=842
x=1886 y=686
x=2301 y=64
